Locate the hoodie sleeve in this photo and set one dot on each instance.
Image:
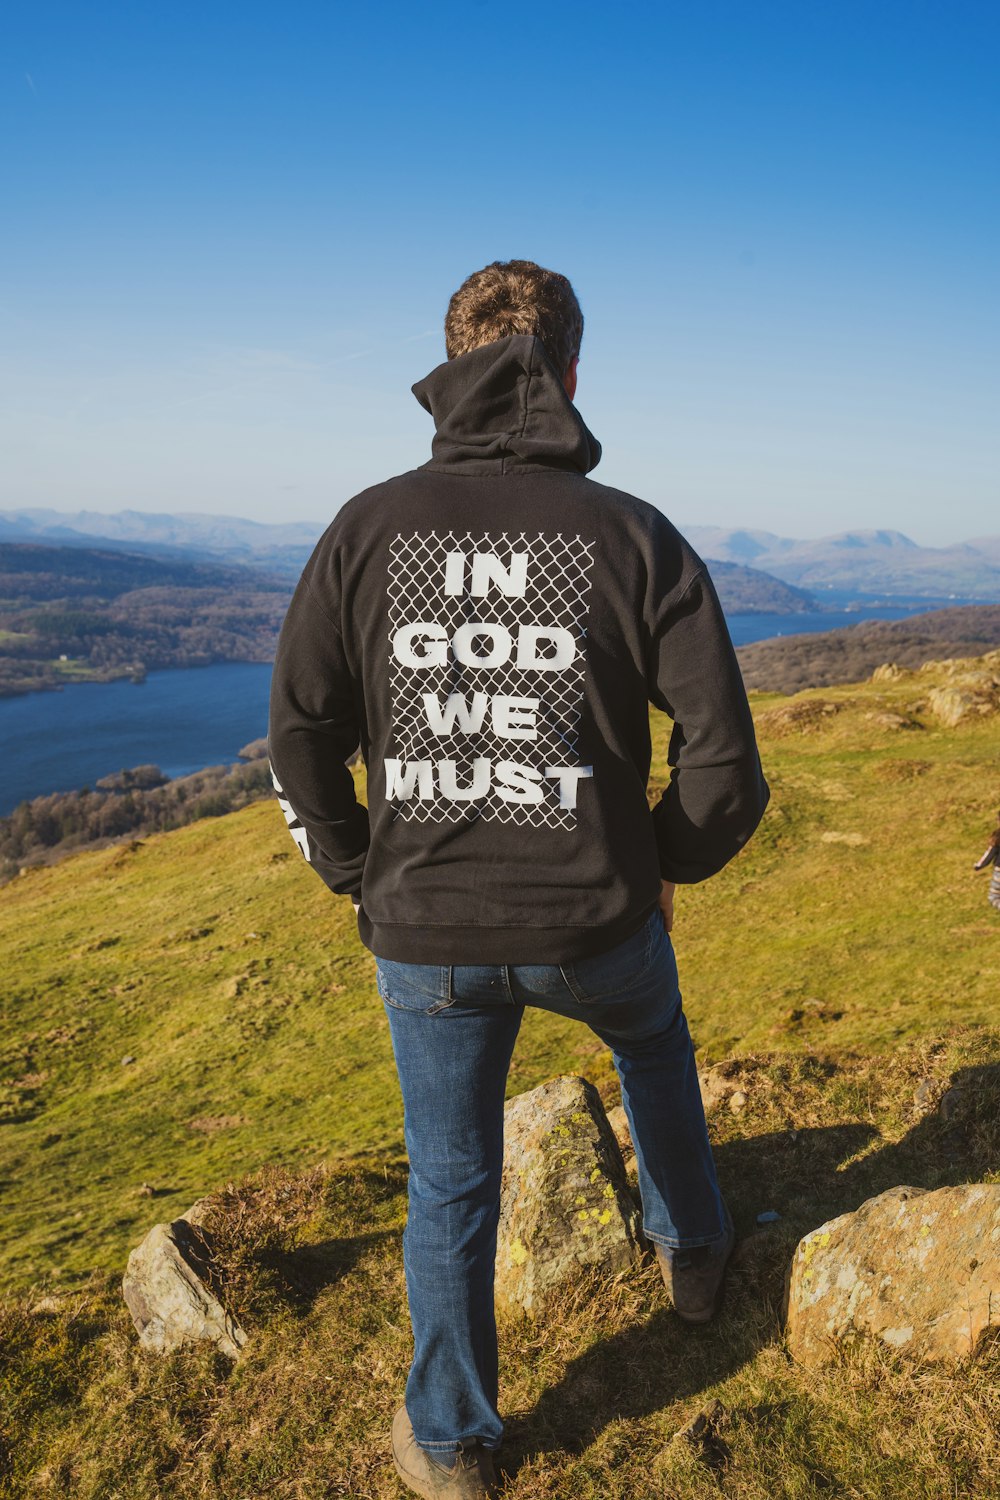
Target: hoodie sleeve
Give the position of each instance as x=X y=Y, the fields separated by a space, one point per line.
x=313 y=729
x=717 y=794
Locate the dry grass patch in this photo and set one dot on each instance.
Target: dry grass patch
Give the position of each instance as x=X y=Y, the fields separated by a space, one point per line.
x=595 y=1393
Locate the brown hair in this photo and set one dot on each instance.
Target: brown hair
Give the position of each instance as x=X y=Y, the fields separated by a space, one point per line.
x=515 y=296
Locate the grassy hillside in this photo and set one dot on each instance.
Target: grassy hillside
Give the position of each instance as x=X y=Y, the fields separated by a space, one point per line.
x=216 y=961
x=187 y=1009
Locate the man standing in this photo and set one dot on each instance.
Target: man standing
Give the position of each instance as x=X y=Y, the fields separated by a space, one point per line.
x=492 y=627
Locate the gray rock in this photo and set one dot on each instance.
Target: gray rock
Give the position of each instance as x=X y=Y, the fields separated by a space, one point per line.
x=919 y=1271
x=565 y=1202
x=199 y=1211
x=715 y=1087
x=888 y=720
x=972 y=693
x=618 y=1120
x=167 y=1292
x=925 y=1095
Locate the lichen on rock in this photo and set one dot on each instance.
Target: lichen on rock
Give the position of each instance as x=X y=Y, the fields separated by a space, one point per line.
x=919 y=1271
x=565 y=1201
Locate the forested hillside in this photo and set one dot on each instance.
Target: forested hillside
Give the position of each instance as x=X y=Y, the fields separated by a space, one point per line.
x=788 y=663
x=89 y=614
x=81 y=614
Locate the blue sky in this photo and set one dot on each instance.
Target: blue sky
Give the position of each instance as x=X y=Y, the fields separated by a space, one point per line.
x=231 y=231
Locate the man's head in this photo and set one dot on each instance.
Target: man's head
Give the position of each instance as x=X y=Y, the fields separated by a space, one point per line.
x=516 y=296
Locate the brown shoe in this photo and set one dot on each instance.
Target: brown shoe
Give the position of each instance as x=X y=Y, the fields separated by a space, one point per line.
x=694 y=1278
x=471 y=1476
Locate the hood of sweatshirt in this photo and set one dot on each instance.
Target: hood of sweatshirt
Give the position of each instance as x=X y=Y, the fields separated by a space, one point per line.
x=502 y=409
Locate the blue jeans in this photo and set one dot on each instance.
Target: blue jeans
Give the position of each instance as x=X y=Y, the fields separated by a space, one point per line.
x=453 y=1033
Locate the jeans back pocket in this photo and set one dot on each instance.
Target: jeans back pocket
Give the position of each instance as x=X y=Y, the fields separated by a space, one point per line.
x=425 y=988
x=608 y=974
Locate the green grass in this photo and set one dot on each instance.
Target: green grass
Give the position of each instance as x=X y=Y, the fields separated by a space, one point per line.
x=837 y=972
x=216 y=959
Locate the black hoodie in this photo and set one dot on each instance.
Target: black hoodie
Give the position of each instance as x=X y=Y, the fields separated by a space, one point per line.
x=491 y=628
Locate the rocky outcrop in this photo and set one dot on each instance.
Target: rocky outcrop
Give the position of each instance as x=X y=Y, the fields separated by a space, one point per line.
x=167 y=1289
x=919 y=1271
x=969 y=689
x=952 y=705
x=565 y=1201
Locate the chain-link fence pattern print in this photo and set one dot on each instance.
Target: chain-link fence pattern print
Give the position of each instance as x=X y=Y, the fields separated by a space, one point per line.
x=558 y=583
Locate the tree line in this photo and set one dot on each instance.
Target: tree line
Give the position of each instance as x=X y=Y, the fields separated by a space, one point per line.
x=787 y=664
x=133 y=802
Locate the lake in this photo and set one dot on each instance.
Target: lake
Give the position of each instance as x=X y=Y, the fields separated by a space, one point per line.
x=178 y=720
x=192 y=717
x=745 y=629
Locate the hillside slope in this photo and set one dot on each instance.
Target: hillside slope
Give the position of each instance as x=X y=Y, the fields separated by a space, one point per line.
x=215 y=962
x=788 y=663
x=748 y=591
x=74 y=614
x=181 y=1010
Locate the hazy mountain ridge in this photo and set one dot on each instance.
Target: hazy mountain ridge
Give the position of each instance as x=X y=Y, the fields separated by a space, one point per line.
x=280 y=547
x=749 y=591
x=867 y=562
x=284 y=548
x=872 y=562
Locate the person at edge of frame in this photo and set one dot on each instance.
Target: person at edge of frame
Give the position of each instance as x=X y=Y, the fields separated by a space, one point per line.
x=492 y=627
x=991 y=861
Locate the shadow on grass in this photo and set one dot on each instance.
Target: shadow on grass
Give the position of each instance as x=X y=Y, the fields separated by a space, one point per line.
x=299 y=1276
x=806 y=1176
x=257 y=1235
x=649 y=1366
x=957 y=1141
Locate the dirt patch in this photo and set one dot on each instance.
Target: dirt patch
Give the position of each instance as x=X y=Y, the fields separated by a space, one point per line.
x=209 y=1124
x=900 y=770
x=792 y=718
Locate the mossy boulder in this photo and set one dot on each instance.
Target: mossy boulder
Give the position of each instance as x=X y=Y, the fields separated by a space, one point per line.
x=918 y=1271
x=565 y=1201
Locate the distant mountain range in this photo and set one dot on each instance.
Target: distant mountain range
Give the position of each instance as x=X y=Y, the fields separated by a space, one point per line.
x=885 y=563
x=868 y=562
x=283 y=547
